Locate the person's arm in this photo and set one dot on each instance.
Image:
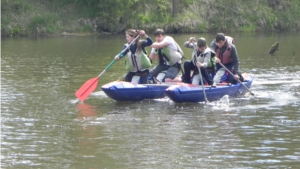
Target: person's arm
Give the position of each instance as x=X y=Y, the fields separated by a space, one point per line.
x=147 y=42
x=120 y=55
x=186 y=44
x=190 y=43
x=158 y=45
x=152 y=54
x=235 y=59
x=162 y=44
x=213 y=45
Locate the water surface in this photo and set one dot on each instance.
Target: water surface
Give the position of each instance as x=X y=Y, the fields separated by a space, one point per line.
x=44 y=126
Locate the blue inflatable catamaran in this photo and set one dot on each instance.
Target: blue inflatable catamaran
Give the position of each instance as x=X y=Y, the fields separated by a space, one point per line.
x=178 y=92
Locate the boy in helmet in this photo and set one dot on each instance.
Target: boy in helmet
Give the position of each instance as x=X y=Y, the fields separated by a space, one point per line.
x=202 y=57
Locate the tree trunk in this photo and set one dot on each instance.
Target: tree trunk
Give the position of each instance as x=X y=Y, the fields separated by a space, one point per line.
x=174 y=8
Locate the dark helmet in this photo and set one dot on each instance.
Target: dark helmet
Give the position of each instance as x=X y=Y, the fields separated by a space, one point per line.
x=201 y=42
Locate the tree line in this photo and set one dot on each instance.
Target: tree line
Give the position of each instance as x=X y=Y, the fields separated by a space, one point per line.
x=41 y=17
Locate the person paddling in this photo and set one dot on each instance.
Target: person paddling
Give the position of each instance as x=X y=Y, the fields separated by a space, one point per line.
x=226 y=54
x=169 y=54
x=203 y=57
x=137 y=63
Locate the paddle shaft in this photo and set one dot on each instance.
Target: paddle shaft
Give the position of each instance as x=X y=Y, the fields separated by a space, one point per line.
x=111 y=63
x=107 y=67
x=236 y=79
x=204 y=93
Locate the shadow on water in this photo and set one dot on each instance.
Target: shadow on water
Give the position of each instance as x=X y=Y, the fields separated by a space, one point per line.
x=43 y=125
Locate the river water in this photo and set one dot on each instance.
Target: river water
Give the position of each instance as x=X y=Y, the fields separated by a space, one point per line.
x=43 y=125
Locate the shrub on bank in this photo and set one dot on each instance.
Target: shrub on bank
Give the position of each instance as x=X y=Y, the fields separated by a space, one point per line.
x=35 y=17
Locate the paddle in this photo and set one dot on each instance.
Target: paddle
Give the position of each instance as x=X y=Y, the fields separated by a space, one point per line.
x=200 y=74
x=237 y=79
x=89 y=86
x=204 y=93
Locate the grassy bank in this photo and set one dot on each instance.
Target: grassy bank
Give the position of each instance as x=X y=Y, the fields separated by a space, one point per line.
x=42 y=18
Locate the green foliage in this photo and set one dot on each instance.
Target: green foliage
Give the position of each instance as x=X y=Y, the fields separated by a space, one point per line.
x=247 y=28
x=15 y=31
x=85 y=28
x=47 y=17
x=162 y=12
x=144 y=19
x=271 y=20
x=44 y=24
x=17 y=6
x=202 y=27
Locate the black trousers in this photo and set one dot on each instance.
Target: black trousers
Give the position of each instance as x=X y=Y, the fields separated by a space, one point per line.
x=144 y=76
x=189 y=66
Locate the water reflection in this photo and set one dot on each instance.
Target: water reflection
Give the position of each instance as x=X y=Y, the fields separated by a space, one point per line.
x=162 y=138
x=86 y=133
x=86 y=111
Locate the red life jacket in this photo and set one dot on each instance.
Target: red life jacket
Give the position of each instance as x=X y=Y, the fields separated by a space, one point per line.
x=224 y=57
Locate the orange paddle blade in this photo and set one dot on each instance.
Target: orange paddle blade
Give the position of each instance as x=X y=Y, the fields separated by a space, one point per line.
x=87 y=88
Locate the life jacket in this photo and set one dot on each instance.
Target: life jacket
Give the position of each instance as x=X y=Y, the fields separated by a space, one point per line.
x=169 y=55
x=224 y=56
x=229 y=39
x=200 y=58
x=138 y=61
x=214 y=45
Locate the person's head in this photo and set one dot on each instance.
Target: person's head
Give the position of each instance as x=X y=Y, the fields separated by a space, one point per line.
x=131 y=34
x=201 y=44
x=220 y=40
x=159 y=35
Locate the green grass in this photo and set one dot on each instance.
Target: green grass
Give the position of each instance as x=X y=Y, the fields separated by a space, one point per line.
x=43 y=24
x=36 y=17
